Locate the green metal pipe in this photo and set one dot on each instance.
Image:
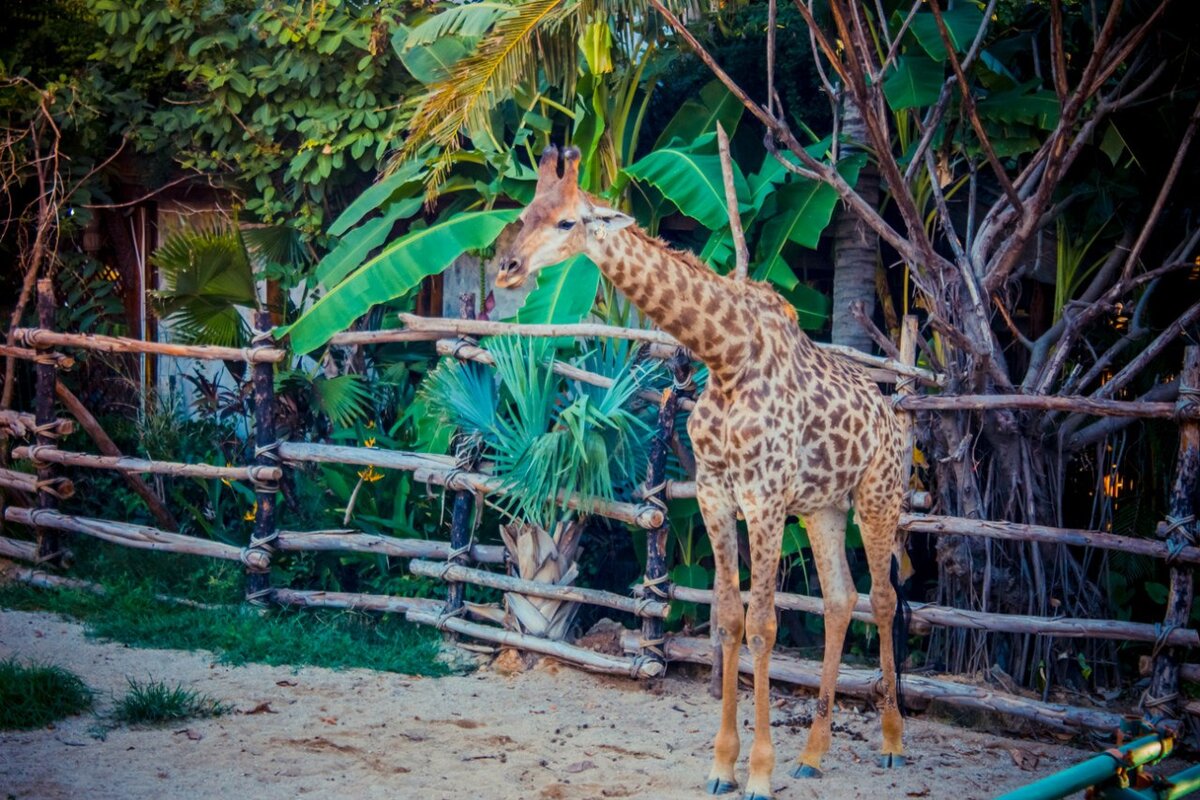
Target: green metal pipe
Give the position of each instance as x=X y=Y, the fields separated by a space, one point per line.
x=1178 y=785
x=1094 y=771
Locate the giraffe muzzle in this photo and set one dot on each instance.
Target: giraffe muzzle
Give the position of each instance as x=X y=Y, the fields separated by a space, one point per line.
x=512 y=274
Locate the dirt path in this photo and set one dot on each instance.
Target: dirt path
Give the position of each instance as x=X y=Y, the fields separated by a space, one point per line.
x=546 y=734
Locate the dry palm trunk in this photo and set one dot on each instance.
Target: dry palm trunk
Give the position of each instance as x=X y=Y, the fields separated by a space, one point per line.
x=538 y=556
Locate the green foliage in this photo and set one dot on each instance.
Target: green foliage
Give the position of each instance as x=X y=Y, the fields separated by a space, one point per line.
x=547 y=437
x=155 y=703
x=129 y=613
x=296 y=101
x=32 y=696
x=206 y=280
x=397 y=269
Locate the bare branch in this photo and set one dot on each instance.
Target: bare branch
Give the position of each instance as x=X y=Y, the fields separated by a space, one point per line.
x=741 y=252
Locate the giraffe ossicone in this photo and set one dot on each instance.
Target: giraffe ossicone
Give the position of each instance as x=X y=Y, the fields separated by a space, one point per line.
x=783 y=428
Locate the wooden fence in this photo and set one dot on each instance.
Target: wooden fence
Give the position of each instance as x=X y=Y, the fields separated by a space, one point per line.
x=459 y=561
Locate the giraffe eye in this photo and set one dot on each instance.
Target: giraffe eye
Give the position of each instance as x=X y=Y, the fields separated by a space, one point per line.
x=566 y=224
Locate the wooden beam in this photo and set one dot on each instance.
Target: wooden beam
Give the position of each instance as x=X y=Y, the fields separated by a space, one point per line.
x=129 y=464
x=42 y=338
x=359 y=542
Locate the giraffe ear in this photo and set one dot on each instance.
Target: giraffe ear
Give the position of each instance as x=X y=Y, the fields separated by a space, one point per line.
x=602 y=221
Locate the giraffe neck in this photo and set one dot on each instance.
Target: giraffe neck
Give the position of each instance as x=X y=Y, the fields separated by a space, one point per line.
x=706 y=312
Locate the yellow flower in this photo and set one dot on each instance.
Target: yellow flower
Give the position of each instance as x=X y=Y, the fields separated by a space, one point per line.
x=370 y=474
x=369 y=442
x=371 y=424
x=249 y=515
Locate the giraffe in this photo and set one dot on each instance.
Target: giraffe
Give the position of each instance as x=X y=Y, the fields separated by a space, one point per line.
x=783 y=428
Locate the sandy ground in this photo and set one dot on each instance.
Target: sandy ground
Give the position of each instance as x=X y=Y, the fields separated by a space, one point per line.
x=549 y=733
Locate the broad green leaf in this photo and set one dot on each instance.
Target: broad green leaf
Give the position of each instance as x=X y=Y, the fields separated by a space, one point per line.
x=914 y=82
x=693 y=576
x=376 y=195
x=692 y=182
x=564 y=295
x=762 y=183
x=698 y=117
x=355 y=245
x=812 y=306
x=398 y=269
x=1038 y=108
x=962 y=23
x=471 y=20
x=805 y=208
x=430 y=63
x=795 y=539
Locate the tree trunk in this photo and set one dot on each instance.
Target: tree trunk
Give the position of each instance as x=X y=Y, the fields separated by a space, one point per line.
x=855 y=244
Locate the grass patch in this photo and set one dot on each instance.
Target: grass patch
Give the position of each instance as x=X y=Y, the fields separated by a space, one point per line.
x=36 y=695
x=154 y=702
x=240 y=634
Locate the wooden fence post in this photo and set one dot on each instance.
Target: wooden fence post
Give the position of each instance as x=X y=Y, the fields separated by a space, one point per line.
x=655 y=583
x=257 y=554
x=905 y=387
x=49 y=542
x=460 y=517
x=1162 y=700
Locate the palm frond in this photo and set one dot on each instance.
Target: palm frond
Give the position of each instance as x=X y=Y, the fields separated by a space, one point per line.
x=346 y=399
x=206 y=277
x=464 y=394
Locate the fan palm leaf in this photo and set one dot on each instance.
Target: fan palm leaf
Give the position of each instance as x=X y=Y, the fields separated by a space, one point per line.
x=206 y=277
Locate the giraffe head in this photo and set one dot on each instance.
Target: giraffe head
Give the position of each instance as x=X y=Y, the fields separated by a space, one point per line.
x=560 y=221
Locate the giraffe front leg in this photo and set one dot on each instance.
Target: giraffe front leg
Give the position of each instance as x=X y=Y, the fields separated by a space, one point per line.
x=721 y=522
x=827 y=535
x=766 y=537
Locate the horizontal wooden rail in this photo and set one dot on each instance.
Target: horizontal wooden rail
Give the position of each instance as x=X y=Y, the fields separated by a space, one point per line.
x=18 y=548
x=359 y=542
x=587 y=659
x=354 y=601
x=20 y=424
x=435 y=470
x=61 y=360
x=129 y=464
x=866 y=683
x=1075 y=404
x=62 y=488
x=125 y=533
x=927 y=614
x=473 y=327
x=1013 y=531
x=574 y=594
x=42 y=338
x=392 y=336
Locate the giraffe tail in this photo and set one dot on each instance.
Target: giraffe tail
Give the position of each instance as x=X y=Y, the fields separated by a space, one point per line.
x=900 y=630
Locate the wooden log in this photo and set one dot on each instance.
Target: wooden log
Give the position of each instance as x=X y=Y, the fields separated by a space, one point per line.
x=867 y=683
x=435 y=470
x=655 y=583
x=1181 y=529
x=124 y=533
x=1036 y=402
x=1187 y=672
x=109 y=448
x=358 y=542
x=686 y=490
x=129 y=464
x=49 y=546
x=587 y=659
x=905 y=390
x=472 y=327
x=257 y=556
x=19 y=424
x=507 y=583
x=1012 y=531
x=926 y=614
x=27 y=482
x=43 y=338
x=354 y=338
x=61 y=360
x=357 y=602
x=18 y=548
x=463 y=350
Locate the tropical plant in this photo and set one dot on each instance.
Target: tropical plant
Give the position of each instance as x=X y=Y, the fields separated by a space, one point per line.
x=206 y=282
x=547 y=438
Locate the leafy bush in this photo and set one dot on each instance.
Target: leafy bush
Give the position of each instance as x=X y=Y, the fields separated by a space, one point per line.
x=154 y=702
x=36 y=695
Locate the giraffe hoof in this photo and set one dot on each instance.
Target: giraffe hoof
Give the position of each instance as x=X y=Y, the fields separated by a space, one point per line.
x=891 y=760
x=805 y=771
x=719 y=786
x=755 y=796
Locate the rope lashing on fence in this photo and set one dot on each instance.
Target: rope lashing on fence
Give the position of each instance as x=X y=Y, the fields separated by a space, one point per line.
x=1186 y=538
x=445 y=617
x=1187 y=405
x=903 y=384
x=256 y=555
x=50 y=430
x=260 y=473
